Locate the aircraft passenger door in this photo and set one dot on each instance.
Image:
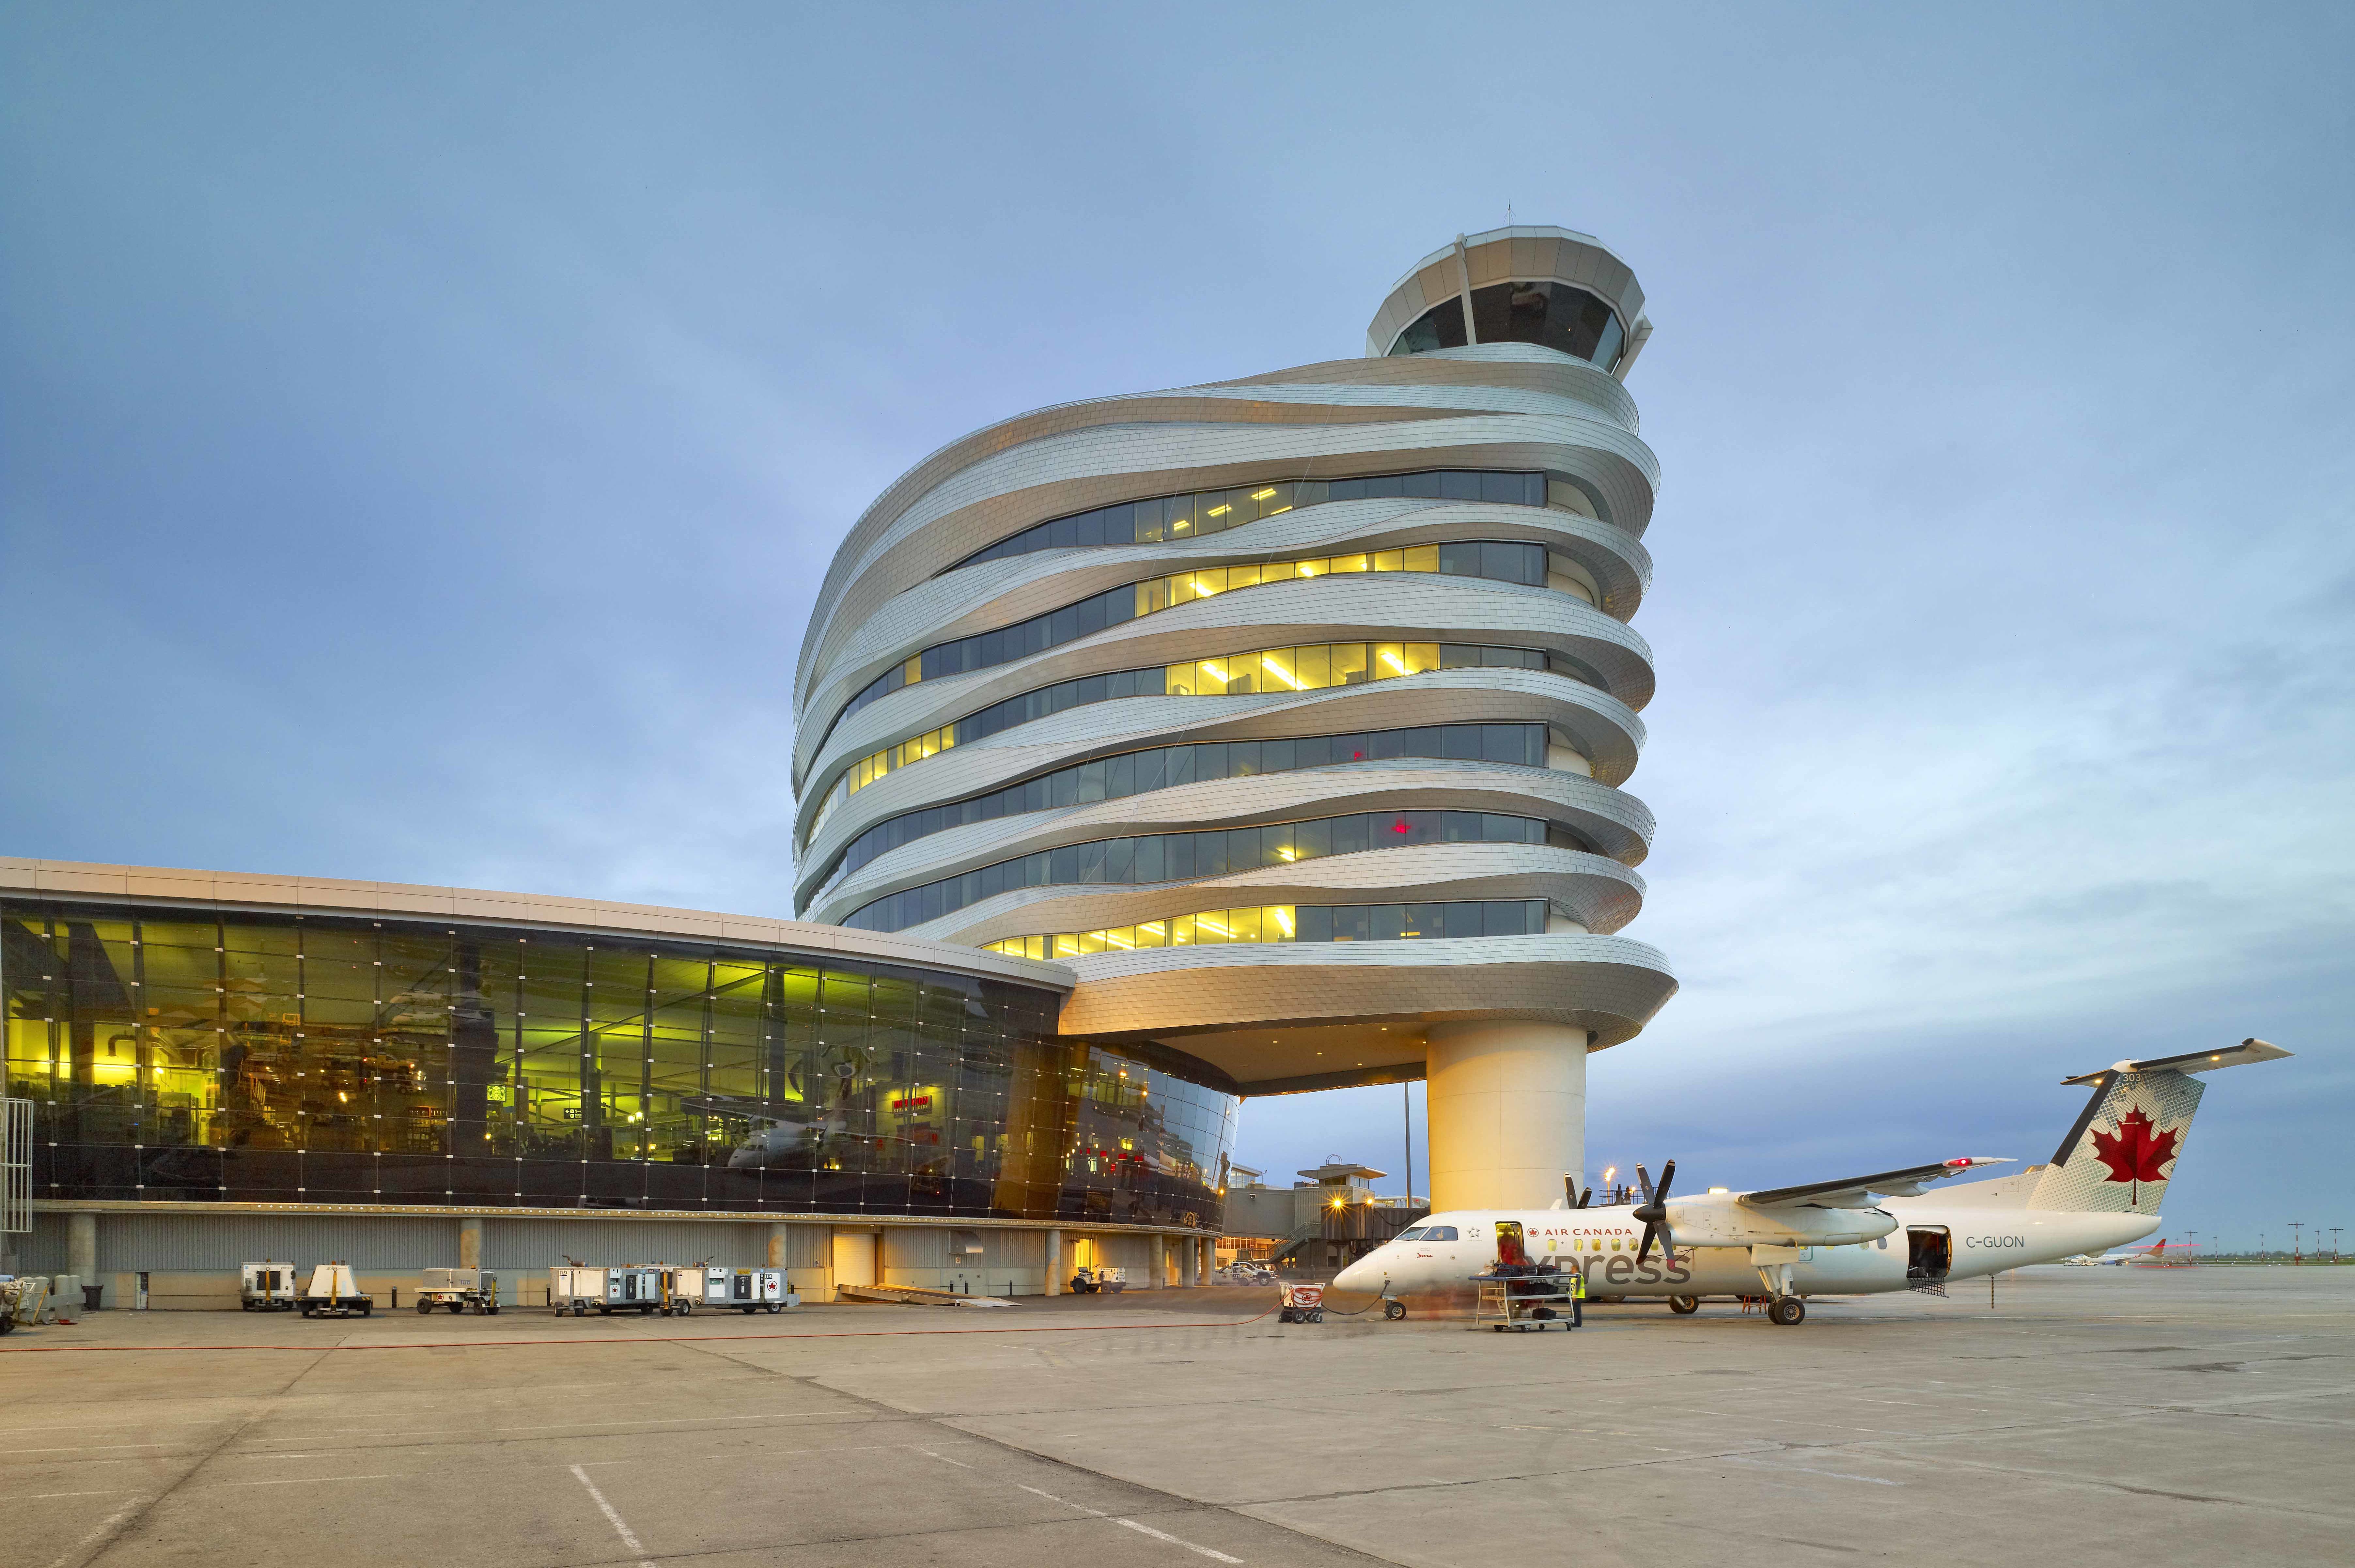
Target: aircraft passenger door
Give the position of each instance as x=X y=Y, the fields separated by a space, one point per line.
x=1929 y=1254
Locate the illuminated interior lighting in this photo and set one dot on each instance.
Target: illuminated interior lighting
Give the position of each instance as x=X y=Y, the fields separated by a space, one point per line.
x=1218 y=511
x=1205 y=920
x=1279 y=511
x=1284 y=921
x=1278 y=671
x=1263 y=495
x=1113 y=939
x=1287 y=854
x=1199 y=589
x=1393 y=660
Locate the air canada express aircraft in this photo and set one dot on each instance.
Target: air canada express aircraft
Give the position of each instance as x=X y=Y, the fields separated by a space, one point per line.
x=1854 y=1236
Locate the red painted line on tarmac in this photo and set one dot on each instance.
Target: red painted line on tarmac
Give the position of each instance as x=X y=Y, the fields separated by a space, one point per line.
x=646 y=1339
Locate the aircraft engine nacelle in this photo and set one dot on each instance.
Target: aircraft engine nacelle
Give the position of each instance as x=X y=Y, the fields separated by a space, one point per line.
x=1722 y=1219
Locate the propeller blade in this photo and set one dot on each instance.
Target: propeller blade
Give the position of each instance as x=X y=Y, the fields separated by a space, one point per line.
x=1667 y=1238
x=1584 y=1193
x=1644 y=1178
x=1668 y=1180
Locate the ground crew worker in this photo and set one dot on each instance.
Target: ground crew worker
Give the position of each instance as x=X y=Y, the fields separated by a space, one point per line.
x=1578 y=1298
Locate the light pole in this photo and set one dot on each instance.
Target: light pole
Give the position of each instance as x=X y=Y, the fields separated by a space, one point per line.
x=2334 y=1243
x=2296 y=1241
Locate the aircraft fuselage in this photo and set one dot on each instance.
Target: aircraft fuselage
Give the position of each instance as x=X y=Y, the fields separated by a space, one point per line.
x=1971 y=1241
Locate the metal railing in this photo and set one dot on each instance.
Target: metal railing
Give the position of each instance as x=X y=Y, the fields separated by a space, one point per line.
x=15 y=1166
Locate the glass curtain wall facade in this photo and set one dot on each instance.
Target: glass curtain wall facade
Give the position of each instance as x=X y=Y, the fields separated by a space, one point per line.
x=196 y=1054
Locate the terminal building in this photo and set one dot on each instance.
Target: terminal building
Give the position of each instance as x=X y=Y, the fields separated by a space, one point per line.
x=1113 y=811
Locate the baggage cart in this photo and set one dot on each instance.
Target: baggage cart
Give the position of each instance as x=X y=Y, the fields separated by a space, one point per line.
x=1099 y=1281
x=457 y=1289
x=1524 y=1302
x=747 y=1289
x=334 y=1293
x=266 y=1286
x=574 y=1288
x=643 y=1288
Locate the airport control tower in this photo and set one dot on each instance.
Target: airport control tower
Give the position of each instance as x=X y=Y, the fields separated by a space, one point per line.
x=1292 y=713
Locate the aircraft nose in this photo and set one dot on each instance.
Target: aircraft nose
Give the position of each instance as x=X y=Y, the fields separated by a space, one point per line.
x=1359 y=1275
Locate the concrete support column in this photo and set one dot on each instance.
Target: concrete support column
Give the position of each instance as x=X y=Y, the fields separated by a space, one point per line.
x=470 y=1242
x=1054 y=1263
x=1508 y=1113
x=1189 y=1253
x=81 y=1249
x=779 y=1234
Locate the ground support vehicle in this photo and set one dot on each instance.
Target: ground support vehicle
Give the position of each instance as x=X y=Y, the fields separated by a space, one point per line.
x=576 y=1289
x=1301 y=1304
x=457 y=1289
x=267 y=1287
x=334 y=1293
x=747 y=1289
x=1099 y=1282
x=643 y=1288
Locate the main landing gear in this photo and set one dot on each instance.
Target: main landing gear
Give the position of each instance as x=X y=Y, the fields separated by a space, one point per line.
x=1786 y=1310
x=1684 y=1306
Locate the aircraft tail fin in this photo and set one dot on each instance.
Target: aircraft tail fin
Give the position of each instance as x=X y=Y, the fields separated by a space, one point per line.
x=2120 y=1154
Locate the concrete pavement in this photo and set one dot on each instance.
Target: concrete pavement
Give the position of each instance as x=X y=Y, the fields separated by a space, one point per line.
x=2108 y=1416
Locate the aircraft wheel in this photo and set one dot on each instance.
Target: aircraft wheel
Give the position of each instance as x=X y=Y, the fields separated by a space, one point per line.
x=1786 y=1310
x=1684 y=1304
x=1395 y=1310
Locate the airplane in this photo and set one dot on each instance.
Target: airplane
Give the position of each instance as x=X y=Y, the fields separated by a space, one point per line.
x=1832 y=1238
x=2133 y=1256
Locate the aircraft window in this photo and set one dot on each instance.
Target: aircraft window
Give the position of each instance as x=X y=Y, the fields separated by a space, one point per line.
x=1439 y=1233
x=1414 y=1235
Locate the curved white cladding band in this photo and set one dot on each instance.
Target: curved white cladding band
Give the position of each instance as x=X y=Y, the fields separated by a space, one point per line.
x=1514 y=445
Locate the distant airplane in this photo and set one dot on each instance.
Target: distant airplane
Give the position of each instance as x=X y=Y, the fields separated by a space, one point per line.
x=2132 y=1256
x=1832 y=1238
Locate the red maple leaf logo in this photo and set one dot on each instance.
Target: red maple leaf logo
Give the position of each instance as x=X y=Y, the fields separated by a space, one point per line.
x=2134 y=1155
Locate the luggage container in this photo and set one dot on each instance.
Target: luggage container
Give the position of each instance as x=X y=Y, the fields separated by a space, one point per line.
x=334 y=1293
x=747 y=1289
x=458 y=1289
x=266 y=1286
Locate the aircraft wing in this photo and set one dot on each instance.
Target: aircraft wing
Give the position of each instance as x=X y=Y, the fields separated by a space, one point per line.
x=1850 y=1192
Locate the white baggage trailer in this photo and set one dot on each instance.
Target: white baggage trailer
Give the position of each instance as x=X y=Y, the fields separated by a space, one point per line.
x=642 y=1288
x=266 y=1287
x=457 y=1289
x=747 y=1289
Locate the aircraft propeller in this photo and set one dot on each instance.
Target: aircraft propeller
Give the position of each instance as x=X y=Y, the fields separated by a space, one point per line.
x=1654 y=1211
x=1570 y=1191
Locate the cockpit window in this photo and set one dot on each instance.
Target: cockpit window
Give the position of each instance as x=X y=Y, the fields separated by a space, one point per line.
x=1439 y=1233
x=1414 y=1235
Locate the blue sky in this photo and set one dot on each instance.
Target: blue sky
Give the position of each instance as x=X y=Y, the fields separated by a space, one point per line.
x=422 y=431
